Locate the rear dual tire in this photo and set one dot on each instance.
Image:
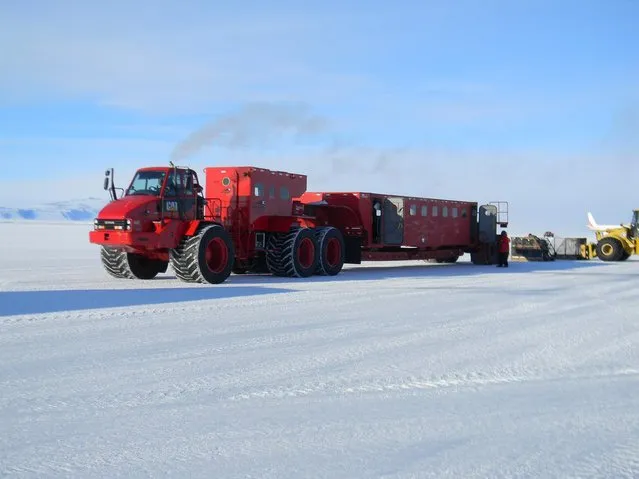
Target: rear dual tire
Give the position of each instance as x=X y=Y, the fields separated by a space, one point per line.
x=304 y=252
x=294 y=254
x=332 y=251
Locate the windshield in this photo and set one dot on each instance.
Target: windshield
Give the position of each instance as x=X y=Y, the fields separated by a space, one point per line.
x=146 y=183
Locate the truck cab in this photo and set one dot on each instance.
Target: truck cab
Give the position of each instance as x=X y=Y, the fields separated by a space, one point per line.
x=156 y=194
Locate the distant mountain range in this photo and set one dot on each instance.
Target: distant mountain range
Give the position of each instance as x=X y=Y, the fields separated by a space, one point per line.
x=73 y=210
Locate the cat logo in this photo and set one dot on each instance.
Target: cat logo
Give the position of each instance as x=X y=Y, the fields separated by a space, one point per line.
x=171 y=205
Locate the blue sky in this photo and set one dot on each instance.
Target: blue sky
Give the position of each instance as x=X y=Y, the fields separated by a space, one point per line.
x=533 y=102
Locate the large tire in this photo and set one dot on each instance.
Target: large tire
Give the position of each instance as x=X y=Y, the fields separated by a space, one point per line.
x=609 y=249
x=294 y=254
x=206 y=257
x=123 y=265
x=332 y=251
x=273 y=249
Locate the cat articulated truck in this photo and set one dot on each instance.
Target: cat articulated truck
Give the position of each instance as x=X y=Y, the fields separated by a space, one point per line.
x=248 y=219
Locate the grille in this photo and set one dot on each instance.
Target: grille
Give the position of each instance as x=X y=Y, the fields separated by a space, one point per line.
x=100 y=224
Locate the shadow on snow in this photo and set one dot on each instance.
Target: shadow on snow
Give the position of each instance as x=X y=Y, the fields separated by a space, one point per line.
x=426 y=271
x=37 y=302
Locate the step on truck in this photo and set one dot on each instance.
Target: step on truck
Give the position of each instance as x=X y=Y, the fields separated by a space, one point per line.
x=245 y=219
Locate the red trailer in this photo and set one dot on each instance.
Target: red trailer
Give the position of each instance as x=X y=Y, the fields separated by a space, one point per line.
x=249 y=219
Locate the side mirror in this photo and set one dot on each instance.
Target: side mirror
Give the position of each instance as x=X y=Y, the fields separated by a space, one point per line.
x=108 y=183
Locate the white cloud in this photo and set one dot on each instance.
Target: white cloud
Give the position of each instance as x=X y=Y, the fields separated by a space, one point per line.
x=175 y=62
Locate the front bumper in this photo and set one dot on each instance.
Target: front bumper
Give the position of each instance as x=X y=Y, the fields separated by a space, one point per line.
x=120 y=238
x=158 y=237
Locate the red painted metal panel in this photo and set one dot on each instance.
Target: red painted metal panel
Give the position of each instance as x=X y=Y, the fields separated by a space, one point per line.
x=250 y=199
x=426 y=222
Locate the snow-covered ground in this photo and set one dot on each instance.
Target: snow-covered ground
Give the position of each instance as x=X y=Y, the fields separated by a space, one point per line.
x=387 y=371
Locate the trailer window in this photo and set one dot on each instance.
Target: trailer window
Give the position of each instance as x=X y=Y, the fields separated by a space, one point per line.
x=435 y=211
x=445 y=211
x=413 y=210
x=464 y=213
x=258 y=190
x=424 y=210
x=271 y=192
x=455 y=212
x=284 y=193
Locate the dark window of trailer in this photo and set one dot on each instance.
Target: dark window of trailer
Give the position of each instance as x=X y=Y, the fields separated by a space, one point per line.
x=284 y=193
x=258 y=190
x=424 y=210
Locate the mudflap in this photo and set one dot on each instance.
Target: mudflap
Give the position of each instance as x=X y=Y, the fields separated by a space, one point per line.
x=485 y=255
x=353 y=253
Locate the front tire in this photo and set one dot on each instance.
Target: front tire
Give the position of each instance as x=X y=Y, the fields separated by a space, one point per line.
x=206 y=257
x=123 y=265
x=609 y=249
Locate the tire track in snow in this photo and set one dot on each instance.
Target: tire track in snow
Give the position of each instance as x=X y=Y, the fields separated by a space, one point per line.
x=462 y=380
x=196 y=390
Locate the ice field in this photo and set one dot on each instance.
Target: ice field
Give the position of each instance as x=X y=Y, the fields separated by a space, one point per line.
x=385 y=371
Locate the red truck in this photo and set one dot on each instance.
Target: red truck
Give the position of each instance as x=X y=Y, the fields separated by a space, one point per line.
x=249 y=219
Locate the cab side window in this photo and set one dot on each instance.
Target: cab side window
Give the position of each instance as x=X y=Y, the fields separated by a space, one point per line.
x=189 y=183
x=180 y=183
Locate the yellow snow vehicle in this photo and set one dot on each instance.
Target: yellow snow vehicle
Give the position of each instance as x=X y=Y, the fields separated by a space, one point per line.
x=614 y=242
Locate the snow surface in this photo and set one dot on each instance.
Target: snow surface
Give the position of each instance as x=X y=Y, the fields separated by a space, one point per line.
x=386 y=371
